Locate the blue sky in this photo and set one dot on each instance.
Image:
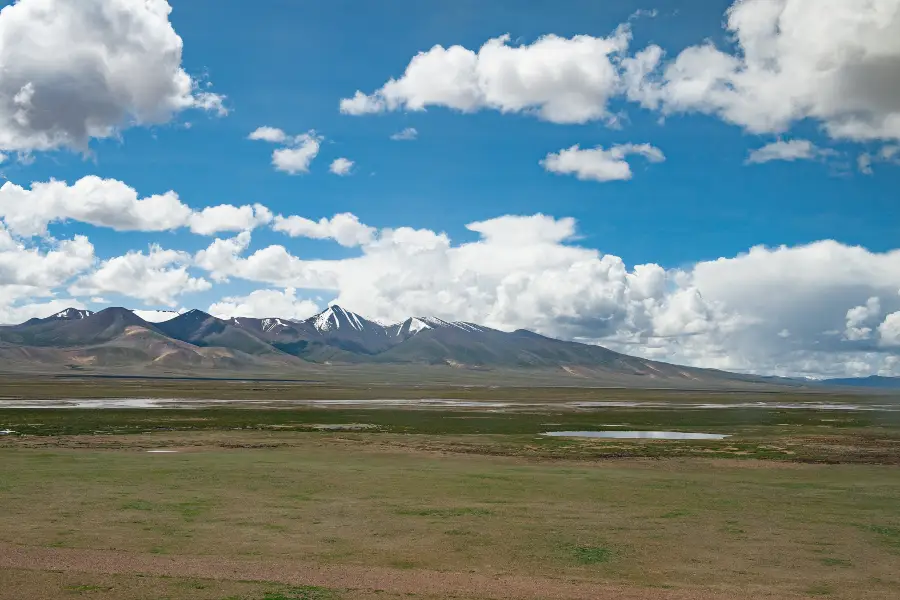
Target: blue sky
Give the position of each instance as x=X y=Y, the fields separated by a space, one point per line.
x=287 y=65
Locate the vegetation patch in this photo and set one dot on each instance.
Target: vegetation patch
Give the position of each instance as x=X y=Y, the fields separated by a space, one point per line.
x=888 y=535
x=82 y=589
x=592 y=555
x=820 y=589
x=444 y=512
x=836 y=562
x=302 y=593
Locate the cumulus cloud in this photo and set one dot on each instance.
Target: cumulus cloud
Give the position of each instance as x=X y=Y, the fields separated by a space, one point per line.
x=102 y=202
x=226 y=217
x=787 y=150
x=263 y=304
x=114 y=204
x=889 y=330
x=298 y=151
x=73 y=71
x=344 y=228
x=562 y=80
x=268 y=134
x=860 y=318
x=30 y=274
x=831 y=61
x=599 y=164
x=157 y=277
x=407 y=135
x=30 y=271
x=341 y=167
x=273 y=265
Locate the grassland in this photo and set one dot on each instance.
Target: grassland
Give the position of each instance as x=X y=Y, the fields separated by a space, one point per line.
x=362 y=386
x=313 y=503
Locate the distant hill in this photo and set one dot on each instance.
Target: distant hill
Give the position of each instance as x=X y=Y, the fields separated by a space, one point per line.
x=117 y=339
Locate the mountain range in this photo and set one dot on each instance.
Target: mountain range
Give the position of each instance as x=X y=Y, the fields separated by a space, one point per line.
x=118 y=340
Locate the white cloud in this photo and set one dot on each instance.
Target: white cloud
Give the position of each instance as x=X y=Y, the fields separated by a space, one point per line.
x=408 y=134
x=889 y=154
x=268 y=134
x=341 y=167
x=344 y=228
x=79 y=70
x=860 y=319
x=864 y=163
x=829 y=60
x=3 y=158
x=157 y=316
x=112 y=203
x=889 y=331
x=25 y=270
x=297 y=157
x=101 y=202
x=28 y=274
x=562 y=80
x=264 y=304
x=298 y=151
x=598 y=164
x=226 y=217
x=273 y=265
x=158 y=277
x=789 y=150
x=219 y=258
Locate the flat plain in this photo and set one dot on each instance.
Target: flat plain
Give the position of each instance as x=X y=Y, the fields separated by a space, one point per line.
x=268 y=498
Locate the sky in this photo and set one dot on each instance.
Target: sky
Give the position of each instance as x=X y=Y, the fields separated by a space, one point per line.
x=706 y=183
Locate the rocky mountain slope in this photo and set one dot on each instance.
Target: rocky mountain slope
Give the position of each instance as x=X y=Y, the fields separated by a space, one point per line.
x=117 y=338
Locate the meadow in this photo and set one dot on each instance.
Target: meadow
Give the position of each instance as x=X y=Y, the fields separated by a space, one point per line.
x=312 y=503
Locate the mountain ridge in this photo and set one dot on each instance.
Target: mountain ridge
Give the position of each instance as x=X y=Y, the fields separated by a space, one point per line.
x=118 y=338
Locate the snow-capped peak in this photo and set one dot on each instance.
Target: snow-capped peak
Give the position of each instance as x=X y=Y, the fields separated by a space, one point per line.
x=334 y=317
x=415 y=325
x=72 y=313
x=436 y=323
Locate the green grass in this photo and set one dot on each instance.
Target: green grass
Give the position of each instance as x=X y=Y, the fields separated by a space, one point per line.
x=836 y=562
x=350 y=500
x=464 y=491
x=444 y=512
x=592 y=555
x=888 y=535
x=301 y=593
x=431 y=422
x=81 y=589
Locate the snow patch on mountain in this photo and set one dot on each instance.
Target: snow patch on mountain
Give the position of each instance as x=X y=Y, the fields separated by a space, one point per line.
x=156 y=316
x=72 y=314
x=270 y=324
